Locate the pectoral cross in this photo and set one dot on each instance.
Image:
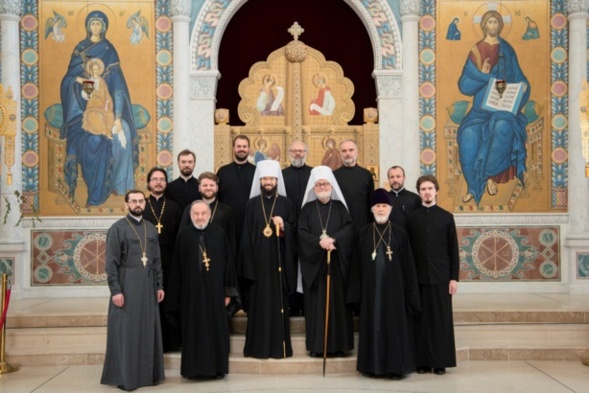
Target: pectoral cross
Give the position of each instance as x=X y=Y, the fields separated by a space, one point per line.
x=390 y=253
x=159 y=227
x=205 y=260
x=144 y=259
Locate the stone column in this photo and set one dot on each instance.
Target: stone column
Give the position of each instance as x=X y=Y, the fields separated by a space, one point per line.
x=578 y=196
x=203 y=86
x=577 y=239
x=410 y=129
x=182 y=139
x=12 y=241
x=9 y=25
x=389 y=88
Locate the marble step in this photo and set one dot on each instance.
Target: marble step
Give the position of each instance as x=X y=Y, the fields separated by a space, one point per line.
x=238 y=324
x=479 y=336
x=65 y=340
x=86 y=345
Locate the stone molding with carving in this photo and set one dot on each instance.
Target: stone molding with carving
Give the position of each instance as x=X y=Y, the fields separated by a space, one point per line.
x=510 y=219
x=181 y=8
x=213 y=18
x=10 y=7
x=385 y=41
x=389 y=85
x=64 y=222
x=211 y=22
x=203 y=84
x=574 y=6
x=410 y=7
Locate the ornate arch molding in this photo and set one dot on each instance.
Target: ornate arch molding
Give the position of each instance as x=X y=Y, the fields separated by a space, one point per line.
x=214 y=16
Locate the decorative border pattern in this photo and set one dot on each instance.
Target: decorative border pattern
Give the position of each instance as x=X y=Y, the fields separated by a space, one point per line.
x=67 y=258
x=513 y=254
x=29 y=71
x=164 y=85
x=215 y=14
x=559 y=102
x=29 y=46
x=582 y=265
x=7 y=266
x=559 y=76
x=427 y=87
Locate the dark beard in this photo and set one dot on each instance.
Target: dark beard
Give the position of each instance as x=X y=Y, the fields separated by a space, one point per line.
x=135 y=214
x=269 y=193
x=240 y=156
x=186 y=172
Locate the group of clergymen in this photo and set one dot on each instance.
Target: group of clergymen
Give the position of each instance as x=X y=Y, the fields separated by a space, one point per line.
x=299 y=241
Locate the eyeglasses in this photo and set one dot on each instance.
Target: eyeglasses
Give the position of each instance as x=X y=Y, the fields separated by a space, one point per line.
x=300 y=151
x=136 y=201
x=158 y=179
x=322 y=185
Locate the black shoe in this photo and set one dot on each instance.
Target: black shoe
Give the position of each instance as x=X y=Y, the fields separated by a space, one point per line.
x=315 y=354
x=220 y=376
x=439 y=371
x=396 y=377
x=423 y=370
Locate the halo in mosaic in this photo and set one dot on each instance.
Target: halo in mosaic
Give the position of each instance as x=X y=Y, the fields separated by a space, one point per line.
x=558 y=81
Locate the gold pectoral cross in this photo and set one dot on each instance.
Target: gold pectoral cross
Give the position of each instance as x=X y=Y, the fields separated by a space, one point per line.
x=390 y=253
x=205 y=260
x=159 y=227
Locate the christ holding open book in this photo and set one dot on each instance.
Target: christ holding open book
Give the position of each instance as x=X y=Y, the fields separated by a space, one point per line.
x=492 y=143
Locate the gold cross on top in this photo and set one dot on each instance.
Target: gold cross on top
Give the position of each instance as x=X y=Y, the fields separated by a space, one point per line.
x=296 y=30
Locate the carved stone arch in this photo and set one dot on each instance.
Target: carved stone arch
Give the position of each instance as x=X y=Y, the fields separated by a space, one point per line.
x=376 y=15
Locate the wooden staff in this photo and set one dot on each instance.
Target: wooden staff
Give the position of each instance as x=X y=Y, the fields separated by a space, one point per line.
x=280 y=286
x=325 y=334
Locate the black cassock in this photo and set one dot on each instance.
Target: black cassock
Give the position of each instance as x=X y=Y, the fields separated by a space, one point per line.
x=235 y=183
x=295 y=182
x=267 y=327
x=404 y=203
x=221 y=216
x=389 y=297
x=314 y=270
x=357 y=185
x=170 y=219
x=432 y=232
x=200 y=294
x=183 y=192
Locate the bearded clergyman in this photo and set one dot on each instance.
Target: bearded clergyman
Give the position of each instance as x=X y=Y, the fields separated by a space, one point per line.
x=267 y=264
x=202 y=283
x=325 y=227
x=388 y=293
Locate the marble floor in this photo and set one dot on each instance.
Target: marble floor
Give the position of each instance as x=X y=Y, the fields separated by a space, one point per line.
x=470 y=376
